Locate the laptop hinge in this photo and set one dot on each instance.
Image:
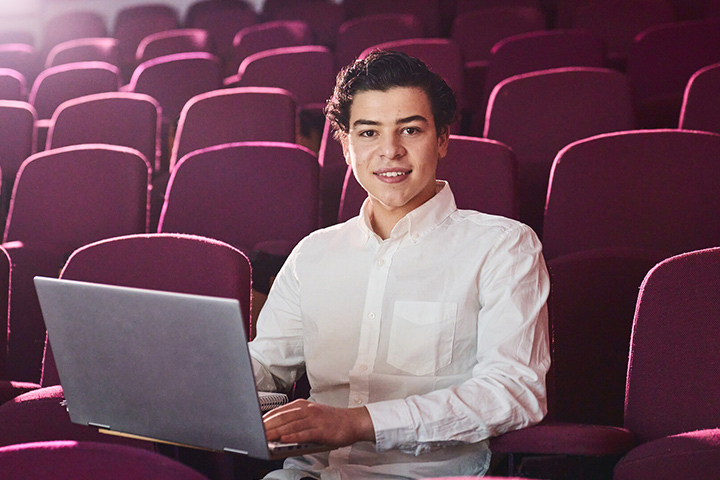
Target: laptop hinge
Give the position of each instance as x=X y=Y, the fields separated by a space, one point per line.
x=97 y=425
x=233 y=450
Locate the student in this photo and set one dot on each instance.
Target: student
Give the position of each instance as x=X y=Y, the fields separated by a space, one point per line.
x=422 y=328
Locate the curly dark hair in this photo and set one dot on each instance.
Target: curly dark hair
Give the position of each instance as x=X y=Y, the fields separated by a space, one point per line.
x=383 y=70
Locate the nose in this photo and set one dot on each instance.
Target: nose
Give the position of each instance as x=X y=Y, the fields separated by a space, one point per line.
x=392 y=147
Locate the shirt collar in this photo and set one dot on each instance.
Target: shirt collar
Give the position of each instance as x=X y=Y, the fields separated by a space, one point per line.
x=420 y=221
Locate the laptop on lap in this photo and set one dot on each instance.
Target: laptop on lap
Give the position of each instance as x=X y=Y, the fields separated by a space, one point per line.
x=163 y=366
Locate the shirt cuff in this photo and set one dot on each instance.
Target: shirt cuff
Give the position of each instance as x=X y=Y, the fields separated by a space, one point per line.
x=393 y=425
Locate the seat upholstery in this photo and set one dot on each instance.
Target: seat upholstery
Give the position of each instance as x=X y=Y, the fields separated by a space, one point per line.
x=649 y=189
x=65 y=460
x=538 y=113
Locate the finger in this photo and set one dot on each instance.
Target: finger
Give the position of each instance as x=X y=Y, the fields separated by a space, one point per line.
x=274 y=414
x=292 y=432
x=291 y=422
x=302 y=436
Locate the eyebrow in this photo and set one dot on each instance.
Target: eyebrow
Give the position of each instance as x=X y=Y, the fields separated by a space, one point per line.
x=401 y=121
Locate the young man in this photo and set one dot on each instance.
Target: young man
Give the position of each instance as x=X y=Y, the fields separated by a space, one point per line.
x=422 y=328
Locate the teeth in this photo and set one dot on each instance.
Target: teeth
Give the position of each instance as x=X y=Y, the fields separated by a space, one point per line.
x=392 y=174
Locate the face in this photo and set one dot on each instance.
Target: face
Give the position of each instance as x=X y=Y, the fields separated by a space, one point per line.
x=393 y=148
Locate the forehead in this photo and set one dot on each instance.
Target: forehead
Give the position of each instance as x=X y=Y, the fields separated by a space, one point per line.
x=390 y=105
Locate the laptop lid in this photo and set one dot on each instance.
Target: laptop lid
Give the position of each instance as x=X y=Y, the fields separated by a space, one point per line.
x=167 y=366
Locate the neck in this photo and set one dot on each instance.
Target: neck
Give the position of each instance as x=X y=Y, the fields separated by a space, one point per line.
x=382 y=222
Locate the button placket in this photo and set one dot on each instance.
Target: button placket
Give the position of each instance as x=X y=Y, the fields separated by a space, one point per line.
x=370 y=329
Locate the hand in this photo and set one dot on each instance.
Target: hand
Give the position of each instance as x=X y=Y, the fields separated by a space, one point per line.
x=302 y=421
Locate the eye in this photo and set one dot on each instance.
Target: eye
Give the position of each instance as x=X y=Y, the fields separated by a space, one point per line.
x=368 y=133
x=410 y=130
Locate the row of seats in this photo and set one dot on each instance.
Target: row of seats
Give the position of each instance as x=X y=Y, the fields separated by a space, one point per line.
x=539 y=113
x=557 y=107
x=672 y=51
x=474 y=37
x=313 y=76
x=583 y=102
x=668 y=396
x=645 y=189
x=224 y=19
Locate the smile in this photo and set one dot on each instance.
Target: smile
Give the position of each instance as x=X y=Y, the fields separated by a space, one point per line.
x=392 y=174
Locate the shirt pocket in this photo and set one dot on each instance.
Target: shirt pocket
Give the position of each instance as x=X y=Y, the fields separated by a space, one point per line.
x=421 y=336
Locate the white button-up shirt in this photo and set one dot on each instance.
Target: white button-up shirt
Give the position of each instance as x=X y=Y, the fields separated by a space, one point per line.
x=440 y=331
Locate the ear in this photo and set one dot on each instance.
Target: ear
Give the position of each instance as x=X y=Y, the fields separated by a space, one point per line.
x=345 y=147
x=443 y=140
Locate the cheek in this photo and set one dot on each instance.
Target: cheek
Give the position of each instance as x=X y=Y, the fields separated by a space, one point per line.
x=356 y=158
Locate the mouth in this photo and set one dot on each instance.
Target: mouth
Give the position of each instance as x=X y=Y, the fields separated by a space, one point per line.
x=393 y=174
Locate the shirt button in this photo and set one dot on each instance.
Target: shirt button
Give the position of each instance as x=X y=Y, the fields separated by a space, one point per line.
x=371 y=315
x=381 y=262
x=357 y=400
x=363 y=368
x=415 y=236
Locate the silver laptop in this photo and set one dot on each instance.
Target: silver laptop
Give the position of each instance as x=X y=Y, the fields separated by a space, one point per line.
x=162 y=366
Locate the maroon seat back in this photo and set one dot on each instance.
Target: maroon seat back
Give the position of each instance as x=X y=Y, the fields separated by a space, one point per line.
x=427 y=11
x=169 y=42
x=5 y=272
x=55 y=85
x=72 y=25
x=75 y=195
x=477 y=31
x=324 y=18
x=540 y=50
x=17 y=36
x=358 y=34
x=701 y=105
x=63 y=199
x=536 y=114
x=591 y=306
x=229 y=115
x=222 y=20
x=650 y=189
x=12 y=85
x=462 y=6
x=135 y=22
x=94 y=49
x=266 y=36
x=22 y=58
x=673 y=52
x=174 y=79
x=118 y=118
x=308 y=72
x=221 y=191
x=672 y=382
x=169 y=262
x=618 y=22
x=17 y=122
